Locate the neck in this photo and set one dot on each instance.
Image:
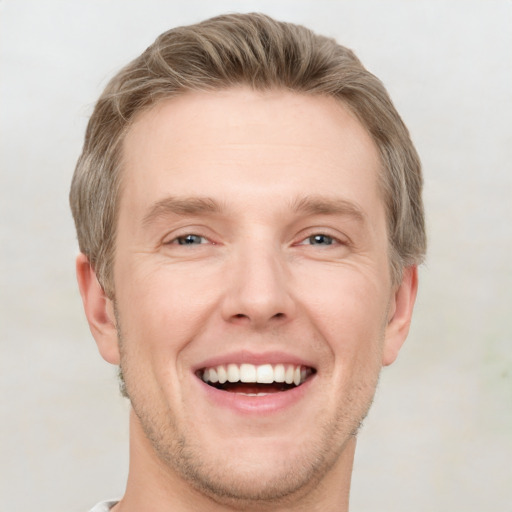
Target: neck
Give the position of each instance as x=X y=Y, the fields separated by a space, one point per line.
x=153 y=485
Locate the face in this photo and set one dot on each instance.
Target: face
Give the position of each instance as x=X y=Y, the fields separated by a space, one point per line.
x=253 y=295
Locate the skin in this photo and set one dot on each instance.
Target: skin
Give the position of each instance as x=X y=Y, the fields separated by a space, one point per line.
x=256 y=280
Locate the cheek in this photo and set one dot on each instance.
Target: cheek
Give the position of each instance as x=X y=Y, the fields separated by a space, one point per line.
x=162 y=309
x=349 y=312
x=347 y=292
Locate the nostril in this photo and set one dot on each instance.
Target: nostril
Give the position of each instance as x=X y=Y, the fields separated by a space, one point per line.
x=247 y=317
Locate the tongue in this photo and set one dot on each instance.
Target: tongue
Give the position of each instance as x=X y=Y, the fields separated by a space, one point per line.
x=251 y=387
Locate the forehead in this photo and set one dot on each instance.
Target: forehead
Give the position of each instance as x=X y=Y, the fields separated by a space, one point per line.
x=240 y=143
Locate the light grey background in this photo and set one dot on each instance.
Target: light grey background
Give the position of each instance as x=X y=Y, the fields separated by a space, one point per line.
x=439 y=438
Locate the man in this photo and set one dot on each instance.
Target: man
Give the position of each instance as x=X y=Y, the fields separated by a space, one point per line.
x=248 y=208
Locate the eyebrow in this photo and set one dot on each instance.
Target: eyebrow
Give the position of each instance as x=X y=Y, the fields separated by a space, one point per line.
x=180 y=206
x=309 y=205
x=321 y=205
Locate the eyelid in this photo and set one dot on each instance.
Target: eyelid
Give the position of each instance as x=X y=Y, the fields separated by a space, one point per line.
x=308 y=239
x=177 y=238
x=172 y=237
x=339 y=238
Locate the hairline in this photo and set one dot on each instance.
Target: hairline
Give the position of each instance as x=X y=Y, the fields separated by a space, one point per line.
x=395 y=265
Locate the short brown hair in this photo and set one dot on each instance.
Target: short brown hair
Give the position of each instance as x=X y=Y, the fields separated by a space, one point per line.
x=253 y=50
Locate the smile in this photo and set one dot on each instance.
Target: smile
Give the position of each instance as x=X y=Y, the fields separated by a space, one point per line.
x=255 y=380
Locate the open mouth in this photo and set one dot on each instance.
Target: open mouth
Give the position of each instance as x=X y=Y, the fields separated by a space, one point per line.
x=255 y=380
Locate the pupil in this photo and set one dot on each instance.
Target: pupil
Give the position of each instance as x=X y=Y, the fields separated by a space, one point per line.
x=189 y=240
x=321 y=239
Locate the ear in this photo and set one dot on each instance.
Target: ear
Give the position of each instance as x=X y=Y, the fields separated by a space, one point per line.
x=400 y=314
x=99 y=310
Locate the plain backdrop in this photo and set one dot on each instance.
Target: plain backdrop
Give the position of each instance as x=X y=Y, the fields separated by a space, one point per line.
x=439 y=437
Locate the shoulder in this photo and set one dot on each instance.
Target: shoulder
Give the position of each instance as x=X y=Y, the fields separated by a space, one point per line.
x=104 y=506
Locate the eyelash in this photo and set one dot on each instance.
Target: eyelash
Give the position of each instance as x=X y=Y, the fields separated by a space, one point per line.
x=310 y=238
x=181 y=240
x=176 y=240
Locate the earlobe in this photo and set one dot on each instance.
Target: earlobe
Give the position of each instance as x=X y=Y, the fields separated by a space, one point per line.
x=99 y=310
x=400 y=314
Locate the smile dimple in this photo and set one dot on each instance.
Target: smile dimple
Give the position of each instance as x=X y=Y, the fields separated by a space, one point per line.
x=255 y=380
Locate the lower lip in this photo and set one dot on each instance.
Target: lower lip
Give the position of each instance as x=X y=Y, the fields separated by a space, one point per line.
x=263 y=404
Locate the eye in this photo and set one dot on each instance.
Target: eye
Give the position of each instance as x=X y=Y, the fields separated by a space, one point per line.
x=189 y=240
x=319 y=239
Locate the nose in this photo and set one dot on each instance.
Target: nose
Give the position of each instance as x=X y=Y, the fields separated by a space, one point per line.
x=259 y=289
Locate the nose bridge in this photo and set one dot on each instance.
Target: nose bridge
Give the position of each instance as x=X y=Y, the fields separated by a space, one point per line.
x=258 y=289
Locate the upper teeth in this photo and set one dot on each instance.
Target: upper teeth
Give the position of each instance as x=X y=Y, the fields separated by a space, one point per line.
x=261 y=374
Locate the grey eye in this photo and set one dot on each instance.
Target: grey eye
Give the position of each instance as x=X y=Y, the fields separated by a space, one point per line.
x=190 y=240
x=320 y=240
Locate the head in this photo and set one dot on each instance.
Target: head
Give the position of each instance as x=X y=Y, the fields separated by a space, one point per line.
x=264 y=54
x=248 y=200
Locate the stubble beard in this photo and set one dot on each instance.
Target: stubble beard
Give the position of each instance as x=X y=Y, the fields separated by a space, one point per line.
x=226 y=481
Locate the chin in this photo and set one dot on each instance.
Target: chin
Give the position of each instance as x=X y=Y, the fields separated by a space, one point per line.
x=245 y=472
x=241 y=478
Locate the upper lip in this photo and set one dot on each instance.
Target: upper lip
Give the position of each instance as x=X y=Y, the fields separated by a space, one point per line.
x=255 y=358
